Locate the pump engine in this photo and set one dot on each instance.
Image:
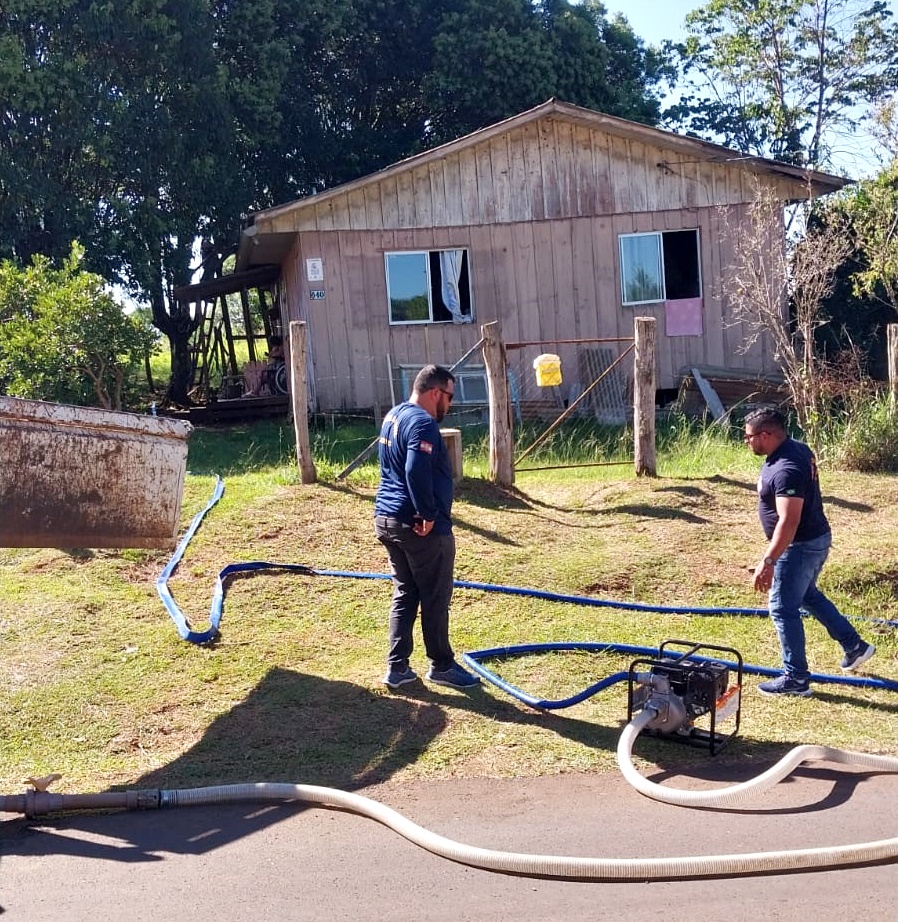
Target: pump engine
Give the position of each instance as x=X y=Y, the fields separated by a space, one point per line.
x=690 y=693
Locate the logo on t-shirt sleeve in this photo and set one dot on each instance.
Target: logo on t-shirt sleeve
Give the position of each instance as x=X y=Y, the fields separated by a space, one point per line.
x=426 y=447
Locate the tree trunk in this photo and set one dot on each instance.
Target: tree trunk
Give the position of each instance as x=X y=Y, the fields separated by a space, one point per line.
x=501 y=441
x=298 y=359
x=181 y=371
x=177 y=324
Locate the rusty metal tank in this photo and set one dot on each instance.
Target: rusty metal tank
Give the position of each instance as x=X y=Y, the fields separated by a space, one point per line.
x=80 y=477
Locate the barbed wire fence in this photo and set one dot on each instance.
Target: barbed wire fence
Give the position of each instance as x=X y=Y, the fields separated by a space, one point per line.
x=588 y=383
x=582 y=414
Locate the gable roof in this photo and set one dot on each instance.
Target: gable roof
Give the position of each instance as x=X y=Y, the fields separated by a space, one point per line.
x=276 y=244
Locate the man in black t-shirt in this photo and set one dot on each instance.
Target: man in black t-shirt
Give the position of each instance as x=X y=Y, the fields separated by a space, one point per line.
x=798 y=541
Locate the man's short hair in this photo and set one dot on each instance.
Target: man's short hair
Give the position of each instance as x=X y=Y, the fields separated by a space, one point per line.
x=431 y=376
x=766 y=418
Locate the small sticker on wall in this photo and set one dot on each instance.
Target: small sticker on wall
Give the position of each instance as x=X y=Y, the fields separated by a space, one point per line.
x=317 y=294
x=315 y=270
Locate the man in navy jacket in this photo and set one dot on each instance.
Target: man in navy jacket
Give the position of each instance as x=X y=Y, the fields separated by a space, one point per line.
x=413 y=520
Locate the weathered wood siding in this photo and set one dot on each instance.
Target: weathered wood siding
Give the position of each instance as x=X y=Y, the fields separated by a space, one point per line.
x=540 y=209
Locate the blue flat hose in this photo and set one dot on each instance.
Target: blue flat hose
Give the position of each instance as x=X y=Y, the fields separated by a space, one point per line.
x=176 y=614
x=473 y=659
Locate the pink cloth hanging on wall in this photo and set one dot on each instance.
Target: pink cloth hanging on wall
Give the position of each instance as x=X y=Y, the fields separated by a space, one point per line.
x=683 y=317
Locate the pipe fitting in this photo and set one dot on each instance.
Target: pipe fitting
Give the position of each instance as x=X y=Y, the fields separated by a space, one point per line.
x=670 y=712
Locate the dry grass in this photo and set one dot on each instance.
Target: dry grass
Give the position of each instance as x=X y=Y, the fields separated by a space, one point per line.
x=95 y=683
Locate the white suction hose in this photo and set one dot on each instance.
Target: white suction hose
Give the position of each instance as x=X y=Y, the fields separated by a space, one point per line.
x=729 y=795
x=557 y=866
x=553 y=866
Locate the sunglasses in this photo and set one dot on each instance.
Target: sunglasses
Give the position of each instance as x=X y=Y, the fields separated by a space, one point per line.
x=449 y=394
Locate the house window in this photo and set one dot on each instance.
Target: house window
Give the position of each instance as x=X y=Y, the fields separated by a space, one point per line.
x=429 y=286
x=659 y=267
x=470 y=383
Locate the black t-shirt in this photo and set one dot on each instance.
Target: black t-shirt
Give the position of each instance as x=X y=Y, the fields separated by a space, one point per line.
x=791 y=470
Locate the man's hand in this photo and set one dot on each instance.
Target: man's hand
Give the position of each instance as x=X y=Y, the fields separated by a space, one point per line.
x=422 y=527
x=763 y=577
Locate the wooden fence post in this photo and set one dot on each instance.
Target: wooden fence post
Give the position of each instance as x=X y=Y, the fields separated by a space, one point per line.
x=299 y=386
x=644 y=398
x=501 y=464
x=892 y=339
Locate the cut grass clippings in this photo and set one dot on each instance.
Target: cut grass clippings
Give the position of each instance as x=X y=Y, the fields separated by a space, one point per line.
x=96 y=684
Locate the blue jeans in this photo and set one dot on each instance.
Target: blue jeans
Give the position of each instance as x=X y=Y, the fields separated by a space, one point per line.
x=795 y=587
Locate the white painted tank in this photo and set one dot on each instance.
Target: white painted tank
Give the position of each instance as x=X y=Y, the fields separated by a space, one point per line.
x=80 y=477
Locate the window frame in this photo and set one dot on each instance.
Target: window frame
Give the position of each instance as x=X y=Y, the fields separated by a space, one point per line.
x=427 y=254
x=475 y=374
x=659 y=236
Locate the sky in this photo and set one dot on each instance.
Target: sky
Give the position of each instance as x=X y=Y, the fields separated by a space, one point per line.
x=657 y=20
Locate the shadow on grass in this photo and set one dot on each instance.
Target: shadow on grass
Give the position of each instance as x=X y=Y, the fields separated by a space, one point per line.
x=291 y=728
x=303 y=729
x=837 y=501
x=489 y=496
x=294 y=727
x=642 y=511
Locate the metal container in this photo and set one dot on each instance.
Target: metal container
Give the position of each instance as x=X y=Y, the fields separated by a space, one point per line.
x=79 y=477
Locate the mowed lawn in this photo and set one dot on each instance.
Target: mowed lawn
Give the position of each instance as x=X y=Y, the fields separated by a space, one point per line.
x=96 y=684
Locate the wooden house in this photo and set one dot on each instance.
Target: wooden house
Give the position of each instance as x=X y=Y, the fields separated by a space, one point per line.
x=561 y=223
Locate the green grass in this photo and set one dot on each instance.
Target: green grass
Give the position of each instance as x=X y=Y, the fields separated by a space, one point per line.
x=96 y=684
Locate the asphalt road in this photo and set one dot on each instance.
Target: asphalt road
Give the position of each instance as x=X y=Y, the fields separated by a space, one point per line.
x=286 y=862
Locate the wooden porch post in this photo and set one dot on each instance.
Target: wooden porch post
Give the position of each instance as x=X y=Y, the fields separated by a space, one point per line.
x=644 y=398
x=299 y=388
x=501 y=464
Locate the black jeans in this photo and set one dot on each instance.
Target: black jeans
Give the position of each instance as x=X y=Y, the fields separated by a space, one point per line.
x=422 y=570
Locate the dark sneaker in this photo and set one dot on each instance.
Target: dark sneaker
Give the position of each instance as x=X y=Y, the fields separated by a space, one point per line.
x=860 y=654
x=399 y=675
x=454 y=677
x=785 y=685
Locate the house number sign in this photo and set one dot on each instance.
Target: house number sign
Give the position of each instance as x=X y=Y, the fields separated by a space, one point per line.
x=316 y=294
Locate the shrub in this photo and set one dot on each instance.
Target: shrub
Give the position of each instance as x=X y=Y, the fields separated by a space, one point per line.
x=869 y=439
x=63 y=337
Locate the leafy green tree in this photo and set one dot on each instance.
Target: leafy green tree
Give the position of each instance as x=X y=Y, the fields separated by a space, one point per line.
x=63 y=337
x=600 y=62
x=115 y=130
x=495 y=58
x=140 y=126
x=784 y=78
x=872 y=210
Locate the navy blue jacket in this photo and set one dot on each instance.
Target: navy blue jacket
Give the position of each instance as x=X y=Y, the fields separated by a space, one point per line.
x=415 y=473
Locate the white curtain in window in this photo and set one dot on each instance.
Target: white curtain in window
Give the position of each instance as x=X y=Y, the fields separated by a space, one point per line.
x=450 y=272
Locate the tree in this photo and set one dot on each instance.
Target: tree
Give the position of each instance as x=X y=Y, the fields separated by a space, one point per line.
x=115 y=131
x=871 y=210
x=782 y=78
x=495 y=58
x=63 y=337
x=141 y=126
x=776 y=288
